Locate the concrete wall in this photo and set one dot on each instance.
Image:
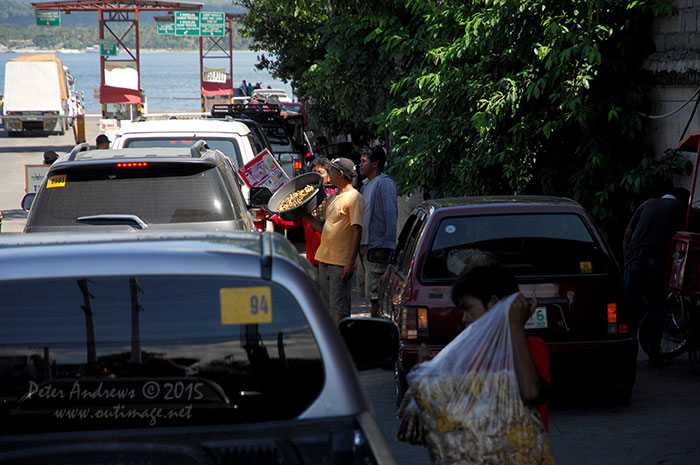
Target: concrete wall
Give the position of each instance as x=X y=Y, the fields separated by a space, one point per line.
x=675 y=67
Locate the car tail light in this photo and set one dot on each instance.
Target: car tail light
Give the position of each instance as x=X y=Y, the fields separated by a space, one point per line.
x=309 y=155
x=413 y=322
x=138 y=164
x=297 y=164
x=612 y=319
x=259 y=220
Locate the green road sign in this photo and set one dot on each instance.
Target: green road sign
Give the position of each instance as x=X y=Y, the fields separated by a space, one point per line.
x=187 y=23
x=48 y=18
x=212 y=23
x=166 y=28
x=108 y=48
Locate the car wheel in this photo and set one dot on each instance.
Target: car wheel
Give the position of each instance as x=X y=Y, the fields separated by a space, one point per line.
x=673 y=338
x=400 y=382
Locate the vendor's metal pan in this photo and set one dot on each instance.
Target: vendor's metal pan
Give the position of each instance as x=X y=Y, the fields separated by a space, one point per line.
x=309 y=204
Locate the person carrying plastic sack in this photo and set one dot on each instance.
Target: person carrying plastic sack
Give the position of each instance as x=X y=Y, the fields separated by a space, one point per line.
x=476 y=401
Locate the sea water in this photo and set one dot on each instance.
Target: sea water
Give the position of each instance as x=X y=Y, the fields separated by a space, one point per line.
x=169 y=79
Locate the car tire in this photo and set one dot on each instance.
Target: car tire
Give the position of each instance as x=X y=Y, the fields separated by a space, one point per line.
x=673 y=339
x=400 y=382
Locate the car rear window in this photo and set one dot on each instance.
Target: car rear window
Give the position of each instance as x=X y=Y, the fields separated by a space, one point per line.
x=152 y=351
x=158 y=193
x=229 y=147
x=528 y=244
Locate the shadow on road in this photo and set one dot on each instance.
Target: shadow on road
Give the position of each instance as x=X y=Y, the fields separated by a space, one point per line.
x=18 y=214
x=36 y=148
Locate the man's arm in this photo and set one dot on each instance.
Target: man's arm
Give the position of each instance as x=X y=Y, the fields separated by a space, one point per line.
x=626 y=241
x=529 y=381
x=389 y=201
x=315 y=223
x=349 y=267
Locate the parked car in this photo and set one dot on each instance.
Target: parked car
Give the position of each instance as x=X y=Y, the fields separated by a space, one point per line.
x=281 y=94
x=144 y=188
x=289 y=145
x=179 y=347
x=232 y=138
x=557 y=254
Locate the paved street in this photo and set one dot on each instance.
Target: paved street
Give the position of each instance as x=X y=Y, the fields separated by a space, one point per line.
x=15 y=153
x=659 y=427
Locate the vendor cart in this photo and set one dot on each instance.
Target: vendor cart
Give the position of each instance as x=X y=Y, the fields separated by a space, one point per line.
x=683 y=270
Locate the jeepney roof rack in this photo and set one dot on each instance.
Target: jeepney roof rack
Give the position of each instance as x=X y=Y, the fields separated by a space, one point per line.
x=259 y=111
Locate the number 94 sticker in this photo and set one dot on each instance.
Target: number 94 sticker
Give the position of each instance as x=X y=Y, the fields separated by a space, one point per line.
x=245 y=305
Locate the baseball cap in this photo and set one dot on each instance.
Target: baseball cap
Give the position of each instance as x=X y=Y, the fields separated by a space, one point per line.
x=345 y=165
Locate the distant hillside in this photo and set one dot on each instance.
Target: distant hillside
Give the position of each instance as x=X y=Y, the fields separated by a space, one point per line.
x=21 y=13
x=80 y=29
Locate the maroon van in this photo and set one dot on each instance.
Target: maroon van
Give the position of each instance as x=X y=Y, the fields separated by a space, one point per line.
x=556 y=252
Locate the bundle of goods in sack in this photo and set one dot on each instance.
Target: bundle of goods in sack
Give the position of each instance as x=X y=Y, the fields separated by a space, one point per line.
x=465 y=404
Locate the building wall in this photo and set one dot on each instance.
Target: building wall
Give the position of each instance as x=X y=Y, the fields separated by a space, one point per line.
x=675 y=67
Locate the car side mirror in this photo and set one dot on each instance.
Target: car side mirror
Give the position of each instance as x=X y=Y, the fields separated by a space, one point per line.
x=27 y=201
x=259 y=196
x=372 y=342
x=379 y=255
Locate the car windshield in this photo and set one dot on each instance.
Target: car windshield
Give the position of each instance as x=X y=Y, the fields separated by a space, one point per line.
x=228 y=147
x=277 y=136
x=528 y=244
x=157 y=193
x=151 y=351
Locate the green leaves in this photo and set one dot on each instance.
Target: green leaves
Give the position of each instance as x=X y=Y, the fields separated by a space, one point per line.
x=499 y=96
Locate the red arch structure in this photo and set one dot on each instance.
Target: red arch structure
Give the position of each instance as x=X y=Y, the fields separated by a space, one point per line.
x=121 y=11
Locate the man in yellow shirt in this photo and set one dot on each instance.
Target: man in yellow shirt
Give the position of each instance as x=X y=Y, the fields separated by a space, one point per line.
x=340 y=238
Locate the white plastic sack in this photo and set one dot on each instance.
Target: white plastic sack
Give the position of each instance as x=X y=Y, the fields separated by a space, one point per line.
x=465 y=403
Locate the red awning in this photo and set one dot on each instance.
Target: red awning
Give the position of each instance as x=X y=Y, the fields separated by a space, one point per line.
x=216 y=88
x=109 y=94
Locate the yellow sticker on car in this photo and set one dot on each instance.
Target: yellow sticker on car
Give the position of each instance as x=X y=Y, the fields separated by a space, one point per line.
x=586 y=267
x=56 y=181
x=246 y=305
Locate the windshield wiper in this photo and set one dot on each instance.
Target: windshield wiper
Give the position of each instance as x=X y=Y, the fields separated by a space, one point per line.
x=133 y=220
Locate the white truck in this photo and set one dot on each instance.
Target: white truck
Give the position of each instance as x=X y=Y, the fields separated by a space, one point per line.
x=39 y=96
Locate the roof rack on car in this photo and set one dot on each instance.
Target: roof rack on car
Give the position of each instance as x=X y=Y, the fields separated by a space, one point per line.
x=259 y=111
x=82 y=147
x=198 y=147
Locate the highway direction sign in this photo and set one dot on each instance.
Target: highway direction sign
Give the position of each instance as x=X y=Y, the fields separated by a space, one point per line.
x=108 y=47
x=48 y=18
x=196 y=23
x=212 y=23
x=187 y=23
x=166 y=28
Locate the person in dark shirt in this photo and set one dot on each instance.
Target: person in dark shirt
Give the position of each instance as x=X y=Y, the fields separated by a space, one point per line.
x=50 y=157
x=102 y=142
x=646 y=245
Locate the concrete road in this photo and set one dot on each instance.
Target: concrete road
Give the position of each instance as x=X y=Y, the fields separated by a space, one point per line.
x=659 y=427
x=15 y=153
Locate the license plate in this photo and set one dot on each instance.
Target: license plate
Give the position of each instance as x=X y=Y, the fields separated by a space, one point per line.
x=538 y=319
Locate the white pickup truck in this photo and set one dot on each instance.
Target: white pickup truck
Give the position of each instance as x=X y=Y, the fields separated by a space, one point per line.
x=39 y=96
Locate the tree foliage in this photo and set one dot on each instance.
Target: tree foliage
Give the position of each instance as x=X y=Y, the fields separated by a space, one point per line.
x=484 y=97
